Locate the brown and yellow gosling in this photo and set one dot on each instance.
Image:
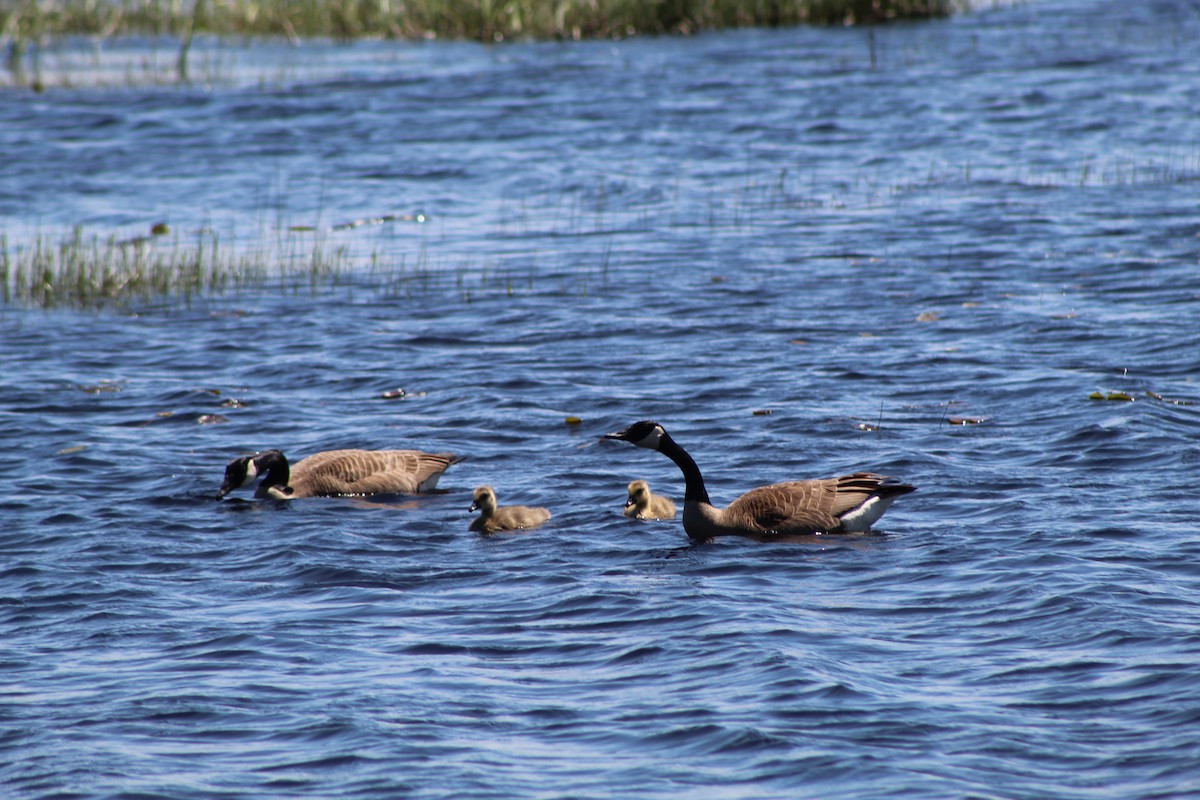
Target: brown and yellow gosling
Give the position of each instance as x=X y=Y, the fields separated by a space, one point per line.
x=644 y=504
x=493 y=518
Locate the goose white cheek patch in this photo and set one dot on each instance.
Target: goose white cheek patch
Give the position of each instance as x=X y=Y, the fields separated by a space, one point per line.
x=251 y=473
x=650 y=442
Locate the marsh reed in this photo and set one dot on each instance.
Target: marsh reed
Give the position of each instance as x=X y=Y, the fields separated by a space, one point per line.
x=25 y=21
x=89 y=272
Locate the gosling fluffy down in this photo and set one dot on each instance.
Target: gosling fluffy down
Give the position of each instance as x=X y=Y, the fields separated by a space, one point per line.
x=644 y=504
x=337 y=472
x=493 y=519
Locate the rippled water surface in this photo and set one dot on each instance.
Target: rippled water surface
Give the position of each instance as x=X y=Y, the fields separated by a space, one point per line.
x=870 y=235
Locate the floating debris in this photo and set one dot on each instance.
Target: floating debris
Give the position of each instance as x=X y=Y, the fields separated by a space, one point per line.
x=160 y=229
x=359 y=223
x=158 y=416
x=966 y=420
x=1162 y=399
x=394 y=394
x=1116 y=396
x=70 y=451
x=929 y=316
x=763 y=412
x=211 y=419
x=573 y=421
x=232 y=402
x=103 y=386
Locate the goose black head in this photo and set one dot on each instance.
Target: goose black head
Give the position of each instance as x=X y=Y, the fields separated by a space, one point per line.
x=646 y=433
x=238 y=473
x=245 y=470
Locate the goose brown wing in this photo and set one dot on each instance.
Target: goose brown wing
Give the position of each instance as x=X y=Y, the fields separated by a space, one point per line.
x=367 y=471
x=794 y=507
x=854 y=490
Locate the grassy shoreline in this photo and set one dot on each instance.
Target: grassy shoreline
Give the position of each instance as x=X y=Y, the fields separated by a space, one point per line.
x=35 y=21
x=30 y=29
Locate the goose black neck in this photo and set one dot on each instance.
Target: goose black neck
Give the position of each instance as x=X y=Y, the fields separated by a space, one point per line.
x=693 y=481
x=278 y=473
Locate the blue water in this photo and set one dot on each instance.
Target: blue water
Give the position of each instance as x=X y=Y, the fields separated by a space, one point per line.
x=994 y=219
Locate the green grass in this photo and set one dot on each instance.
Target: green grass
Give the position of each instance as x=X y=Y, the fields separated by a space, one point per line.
x=25 y=21
x=87 y=272
x=30 y=28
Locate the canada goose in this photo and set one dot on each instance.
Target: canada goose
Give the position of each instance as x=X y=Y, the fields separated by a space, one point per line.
x=337 y=472
x=644 y=504
x=849 y=504
x=492 y=519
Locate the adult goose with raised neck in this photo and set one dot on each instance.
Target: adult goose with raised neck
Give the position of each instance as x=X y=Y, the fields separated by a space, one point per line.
x=847 y=504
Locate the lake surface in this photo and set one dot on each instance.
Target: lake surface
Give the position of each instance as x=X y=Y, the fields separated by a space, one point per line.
x=872 y=235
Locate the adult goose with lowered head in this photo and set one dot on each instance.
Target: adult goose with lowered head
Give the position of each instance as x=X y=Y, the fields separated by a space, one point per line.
x=849 y=504
x=337 y=472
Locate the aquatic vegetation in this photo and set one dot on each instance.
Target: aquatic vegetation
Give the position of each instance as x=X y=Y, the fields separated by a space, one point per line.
x=31 y=21
x=88 y=271
x=83 y=271
x=39 y=35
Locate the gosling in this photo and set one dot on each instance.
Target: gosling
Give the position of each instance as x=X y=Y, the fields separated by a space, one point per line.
x=644 y=504
x=493 y=519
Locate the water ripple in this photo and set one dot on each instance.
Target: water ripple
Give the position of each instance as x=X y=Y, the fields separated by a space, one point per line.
x=801 y=264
